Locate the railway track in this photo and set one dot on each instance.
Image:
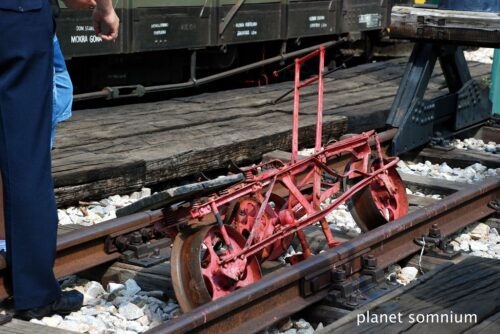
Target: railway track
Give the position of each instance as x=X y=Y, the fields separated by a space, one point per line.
x=284 y=293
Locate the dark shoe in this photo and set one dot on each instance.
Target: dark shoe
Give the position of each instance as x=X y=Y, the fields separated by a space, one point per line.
x=69 y=301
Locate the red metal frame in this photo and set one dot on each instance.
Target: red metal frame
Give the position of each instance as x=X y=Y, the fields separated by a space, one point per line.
x=261 y=182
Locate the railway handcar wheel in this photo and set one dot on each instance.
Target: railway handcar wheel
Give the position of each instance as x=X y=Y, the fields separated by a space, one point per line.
x=243 y=217
x=384 y=200
x=197 y=274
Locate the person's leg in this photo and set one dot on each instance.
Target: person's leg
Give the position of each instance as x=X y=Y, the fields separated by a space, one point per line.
x=2 y=223
x=495 y=83
x=63 y=90
x=26 y=70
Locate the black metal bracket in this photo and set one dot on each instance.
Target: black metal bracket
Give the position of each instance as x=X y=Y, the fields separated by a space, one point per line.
x=435 y=245
x=417 y=118
x=145 y=247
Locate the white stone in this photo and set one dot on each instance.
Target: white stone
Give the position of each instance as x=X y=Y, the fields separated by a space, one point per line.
x=410 y=272
x=136 y=327
x=52 y=321
x=94 y=289
x=456 y=245
x=98 y=210
x=122 y=331
x=464 y=245
x=63 y=217
x=144 y=320
x=444 y=168
x=320 y=326
x=90 y=311
x=145 y=192
x=480 y=231
x=71 y=325
x=477 y=246
x=490 y=148
x=131 y=287
x=479 y=168
x=469 y=172
x=302 y=324
x=136 y=196
x=130 y=311
x=290 y=331
x=114 y=287
x=286 y=326
x=308 y=330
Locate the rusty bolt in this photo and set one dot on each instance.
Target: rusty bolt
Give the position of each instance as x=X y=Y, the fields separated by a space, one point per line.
x=156 y=253
x=434 y=231
x=370 y=262
x=136 y=238
x=339 y=276
x=353 y=299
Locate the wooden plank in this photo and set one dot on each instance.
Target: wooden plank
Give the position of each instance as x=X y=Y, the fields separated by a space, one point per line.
x=469 y=287
x=17 y=326
x=385 y=298
x=488 y=133
x=421 y=201
x=459 y=158
x=156 y=278
x=487 y=326
x=67 y=228
x=466 y=28
x=443 y=186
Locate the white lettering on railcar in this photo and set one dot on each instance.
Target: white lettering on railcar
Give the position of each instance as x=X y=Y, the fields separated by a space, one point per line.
x=248 y=28
x=159 y=25
x=317 y=22
x=159 y=32
x=79 y=39
x=316 y=18
x=84 y=39
x=84 y=28
x=95 y=39
x=371 y=20
x=160 y=29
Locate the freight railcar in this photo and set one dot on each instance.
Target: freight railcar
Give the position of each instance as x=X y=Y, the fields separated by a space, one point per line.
x=164 y=41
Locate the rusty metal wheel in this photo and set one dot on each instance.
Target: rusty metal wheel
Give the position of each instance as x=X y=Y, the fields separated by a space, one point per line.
x=197 y=275
x=243 y=217
x=384 y=200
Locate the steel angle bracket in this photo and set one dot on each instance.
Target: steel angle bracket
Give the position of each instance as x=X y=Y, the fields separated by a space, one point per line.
x=418 y=120
x=229 y=16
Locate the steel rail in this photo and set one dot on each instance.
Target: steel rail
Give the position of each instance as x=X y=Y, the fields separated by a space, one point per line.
x=281 y=293
x=85 y=248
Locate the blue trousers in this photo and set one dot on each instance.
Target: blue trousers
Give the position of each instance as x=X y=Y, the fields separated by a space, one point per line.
x=63 y=91
x=26 y=80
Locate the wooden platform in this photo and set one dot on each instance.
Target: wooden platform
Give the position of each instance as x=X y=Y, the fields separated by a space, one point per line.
x=114 y=150
x=471 y=287
x=462 y=27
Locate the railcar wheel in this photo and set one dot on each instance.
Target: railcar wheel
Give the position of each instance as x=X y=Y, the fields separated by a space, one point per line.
x=197 y=275
x=376 y=205
x=243 y=218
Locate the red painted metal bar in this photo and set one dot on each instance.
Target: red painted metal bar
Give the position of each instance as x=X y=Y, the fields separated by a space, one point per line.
x=295 y=119
x=312 y=217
